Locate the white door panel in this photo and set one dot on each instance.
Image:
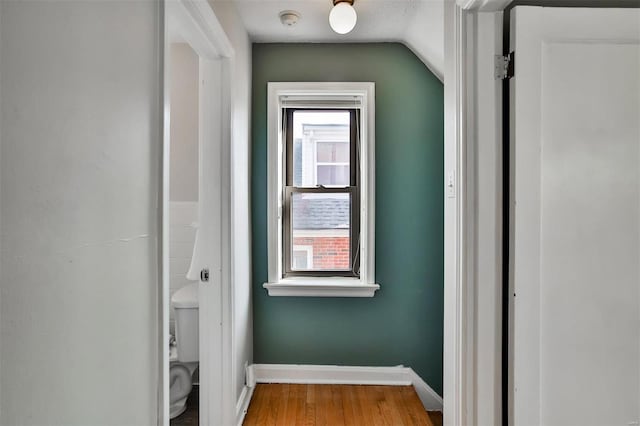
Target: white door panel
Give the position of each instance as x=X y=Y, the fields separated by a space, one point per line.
x=210 y=218
x=575 y=206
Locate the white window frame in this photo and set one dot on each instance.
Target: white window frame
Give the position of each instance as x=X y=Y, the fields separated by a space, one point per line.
x=360 y=95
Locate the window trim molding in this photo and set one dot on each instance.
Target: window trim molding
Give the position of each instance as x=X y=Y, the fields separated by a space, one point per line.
x=365 y=285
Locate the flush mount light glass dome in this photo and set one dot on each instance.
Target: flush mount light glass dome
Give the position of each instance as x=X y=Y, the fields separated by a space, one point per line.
x=343 y=18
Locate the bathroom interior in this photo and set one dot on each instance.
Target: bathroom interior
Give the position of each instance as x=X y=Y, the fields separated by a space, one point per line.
x=183 y=226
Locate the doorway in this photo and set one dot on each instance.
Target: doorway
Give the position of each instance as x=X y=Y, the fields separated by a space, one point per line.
x=184 y=217
x=195 y=264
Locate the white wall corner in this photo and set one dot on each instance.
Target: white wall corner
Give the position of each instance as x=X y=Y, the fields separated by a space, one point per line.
x=242 y=405
x=424 y=36
x=435 y=68
x=345 y=375
x=251 y=377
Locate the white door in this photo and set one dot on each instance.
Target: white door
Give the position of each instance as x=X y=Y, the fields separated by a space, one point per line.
x=575 y=217
x=210 y=219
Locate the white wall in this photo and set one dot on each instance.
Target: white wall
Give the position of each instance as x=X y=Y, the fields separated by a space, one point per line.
x=425 y=36
x=182 y=235
x=184 y=123
x=228 y=16
x=80 y=168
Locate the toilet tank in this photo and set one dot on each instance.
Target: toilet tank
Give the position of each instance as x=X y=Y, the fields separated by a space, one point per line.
x=185 y=305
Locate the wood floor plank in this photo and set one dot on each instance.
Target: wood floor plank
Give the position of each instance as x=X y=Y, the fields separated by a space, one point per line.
x=310 y=414
x=399 y=411
x=352 y=413
x=398 y=398
x=296 y=406
x=384 y=406
x=251 y=418
x=365 y=408
x=269 y=400
x=265 y=414
x=336 y=410
x=283 y=404
x=414 y=407
x=310 y=407
x=436 y=417
x=322 y=397
x=275 y=398
x=335 y=405
x=369 y=403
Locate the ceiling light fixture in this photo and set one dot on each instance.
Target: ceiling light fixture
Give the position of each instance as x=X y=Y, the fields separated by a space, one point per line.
x=343 y=16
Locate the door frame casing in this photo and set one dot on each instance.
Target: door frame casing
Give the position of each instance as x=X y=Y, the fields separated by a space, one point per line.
x=473 y=214
x=197 y=24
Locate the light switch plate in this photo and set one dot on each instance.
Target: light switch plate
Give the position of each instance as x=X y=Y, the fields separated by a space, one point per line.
x=451 y=184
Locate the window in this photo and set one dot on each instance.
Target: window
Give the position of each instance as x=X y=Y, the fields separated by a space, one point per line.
x=322 y=197
x=321 y=189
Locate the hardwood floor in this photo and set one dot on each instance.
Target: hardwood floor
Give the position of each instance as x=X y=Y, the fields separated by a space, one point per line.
x=334 y=405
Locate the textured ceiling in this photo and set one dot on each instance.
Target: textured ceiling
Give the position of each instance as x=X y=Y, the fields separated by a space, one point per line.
x=417 y=23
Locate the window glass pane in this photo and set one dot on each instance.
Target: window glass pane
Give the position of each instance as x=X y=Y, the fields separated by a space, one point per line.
x=321 y=222
x=320 y=137
x=333 y=175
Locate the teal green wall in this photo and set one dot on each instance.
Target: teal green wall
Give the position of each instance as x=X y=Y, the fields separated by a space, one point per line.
x=403 y=322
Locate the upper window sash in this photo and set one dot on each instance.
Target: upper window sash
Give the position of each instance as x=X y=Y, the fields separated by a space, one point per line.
x=354 y=136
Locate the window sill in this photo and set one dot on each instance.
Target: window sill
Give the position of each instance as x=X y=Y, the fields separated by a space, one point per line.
x=321 y=287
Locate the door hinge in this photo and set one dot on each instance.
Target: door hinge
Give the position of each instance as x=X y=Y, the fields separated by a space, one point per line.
x=505 y=66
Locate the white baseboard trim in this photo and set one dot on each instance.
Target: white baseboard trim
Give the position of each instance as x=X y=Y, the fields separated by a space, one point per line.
x=345 y=375
x=430 y=399
x=243 y=404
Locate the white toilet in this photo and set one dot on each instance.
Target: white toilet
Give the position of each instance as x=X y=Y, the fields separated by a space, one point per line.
x=183 y=356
